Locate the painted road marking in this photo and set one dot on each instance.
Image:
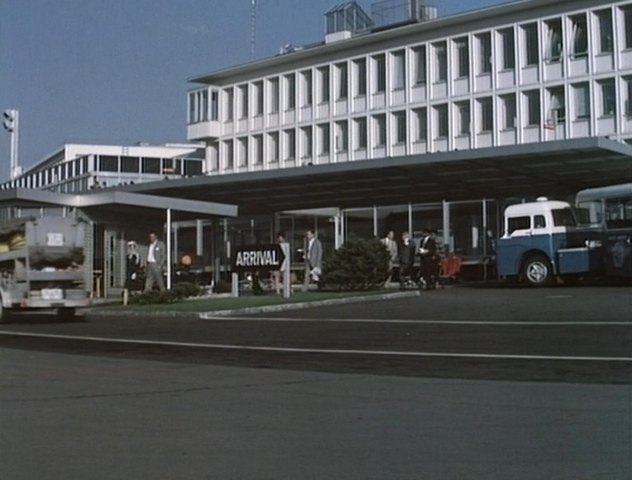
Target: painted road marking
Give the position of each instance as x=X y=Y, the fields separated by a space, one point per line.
x=212 y=346
x=407 y=321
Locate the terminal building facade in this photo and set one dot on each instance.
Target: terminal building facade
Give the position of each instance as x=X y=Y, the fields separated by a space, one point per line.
x=399 y=119
x=499 y=80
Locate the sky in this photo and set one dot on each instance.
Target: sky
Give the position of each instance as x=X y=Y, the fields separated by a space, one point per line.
x=116 y=71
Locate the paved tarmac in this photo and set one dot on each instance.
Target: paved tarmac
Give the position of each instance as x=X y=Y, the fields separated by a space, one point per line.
x=461 y=383
x=75 y=417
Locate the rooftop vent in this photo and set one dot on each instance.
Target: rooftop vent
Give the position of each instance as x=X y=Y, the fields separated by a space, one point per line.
x=345 y=20
x=393 y=12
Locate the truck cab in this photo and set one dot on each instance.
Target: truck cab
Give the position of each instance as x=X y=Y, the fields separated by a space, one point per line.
x=541 y=241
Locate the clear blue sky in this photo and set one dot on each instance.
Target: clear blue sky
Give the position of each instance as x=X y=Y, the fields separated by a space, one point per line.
x=115 y=71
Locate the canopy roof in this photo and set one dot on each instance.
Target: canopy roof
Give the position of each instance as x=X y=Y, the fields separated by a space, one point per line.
x=555 y=169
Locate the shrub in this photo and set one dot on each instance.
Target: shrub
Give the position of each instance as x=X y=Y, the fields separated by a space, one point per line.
x=358 y=265
x=179 y=291
x=187 y=289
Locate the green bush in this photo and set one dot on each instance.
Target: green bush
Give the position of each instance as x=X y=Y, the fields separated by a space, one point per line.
x=358 y=265
x=187 y=289
x=179 y=292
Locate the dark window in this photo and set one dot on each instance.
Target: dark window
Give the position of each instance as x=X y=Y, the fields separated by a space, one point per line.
x=400 y=126
x=555 y=43
x=485 y=52
x=441 y=62
x=214 y=105
x=531 y=43
x=129 y=164
x=258 y=101
x=533 y=106
x=442 y=121
x=563 y=217
x=170 y=166
x=509 y=58
x=342 y=81
x=290 y=103
x=420 y=65
x=627 y=20
x=608 y=98
x=539 y=221
x=108 y=163
x=580 y=36
x=518 y=223
x=192 y=167
x=463 y=58
x=380 y=72
x=151 y=165
x=324 y=85
x=487 y=114
x=361 y=133
x=361 y=77
x=606 y=43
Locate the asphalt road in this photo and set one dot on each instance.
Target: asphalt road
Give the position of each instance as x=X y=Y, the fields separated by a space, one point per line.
x=461 y=383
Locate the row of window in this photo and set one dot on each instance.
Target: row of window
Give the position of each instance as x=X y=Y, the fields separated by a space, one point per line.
x=72 y=169
x=417 y=125
x=577 y=35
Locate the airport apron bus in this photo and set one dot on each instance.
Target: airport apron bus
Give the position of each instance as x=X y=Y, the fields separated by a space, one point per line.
x=608 y=210
x=544 y=240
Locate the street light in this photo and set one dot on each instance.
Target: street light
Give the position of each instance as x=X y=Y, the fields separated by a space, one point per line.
x=10 y=122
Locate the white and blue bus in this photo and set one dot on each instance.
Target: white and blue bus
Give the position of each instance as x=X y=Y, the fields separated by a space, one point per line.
x=546 y=239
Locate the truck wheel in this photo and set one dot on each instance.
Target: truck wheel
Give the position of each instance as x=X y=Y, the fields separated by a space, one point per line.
x=6 y=314
x=66 y=314
x=537 y=271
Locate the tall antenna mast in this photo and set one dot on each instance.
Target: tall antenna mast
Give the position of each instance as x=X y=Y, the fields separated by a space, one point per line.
x=253 y=28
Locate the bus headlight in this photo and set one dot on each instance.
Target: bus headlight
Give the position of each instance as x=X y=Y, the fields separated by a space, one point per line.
x=593 y=243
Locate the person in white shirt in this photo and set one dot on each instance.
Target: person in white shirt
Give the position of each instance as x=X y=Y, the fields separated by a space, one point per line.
x=156 y=261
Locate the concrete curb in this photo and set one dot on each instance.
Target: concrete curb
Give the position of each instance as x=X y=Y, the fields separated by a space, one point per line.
x=301 y=305
x=96 y=313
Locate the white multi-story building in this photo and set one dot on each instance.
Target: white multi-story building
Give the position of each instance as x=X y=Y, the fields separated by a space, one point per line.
x=524 y=72
x=76 y=168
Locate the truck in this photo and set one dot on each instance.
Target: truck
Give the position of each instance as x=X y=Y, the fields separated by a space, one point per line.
x=42 y=265
x=549 y=239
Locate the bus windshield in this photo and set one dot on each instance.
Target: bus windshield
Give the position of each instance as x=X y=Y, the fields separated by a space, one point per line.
x=618 y=213
x=589 y=213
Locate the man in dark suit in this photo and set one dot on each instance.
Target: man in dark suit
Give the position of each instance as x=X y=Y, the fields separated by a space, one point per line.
x=156 y=262
x=428 y=253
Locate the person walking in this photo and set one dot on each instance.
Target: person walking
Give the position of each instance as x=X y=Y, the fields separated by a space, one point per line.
x=132 y=266
x=313 y=259
x=428 y=253
x=156 y=262
x=391 y=245
x=407 y=251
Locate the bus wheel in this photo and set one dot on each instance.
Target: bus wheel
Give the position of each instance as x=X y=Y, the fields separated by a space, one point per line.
x=537 y=271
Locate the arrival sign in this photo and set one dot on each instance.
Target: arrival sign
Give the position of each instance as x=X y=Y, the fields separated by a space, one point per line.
x=258 y=257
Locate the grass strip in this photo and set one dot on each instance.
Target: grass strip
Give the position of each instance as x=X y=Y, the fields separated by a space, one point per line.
x=244 y=301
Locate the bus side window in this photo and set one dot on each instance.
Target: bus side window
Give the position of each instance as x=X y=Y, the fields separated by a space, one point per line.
x=539 y=221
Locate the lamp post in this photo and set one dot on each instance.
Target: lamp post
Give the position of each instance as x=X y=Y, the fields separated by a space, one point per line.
x=11 y=123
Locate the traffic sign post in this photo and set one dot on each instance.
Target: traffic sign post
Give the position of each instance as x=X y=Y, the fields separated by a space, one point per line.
x=262 y=258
